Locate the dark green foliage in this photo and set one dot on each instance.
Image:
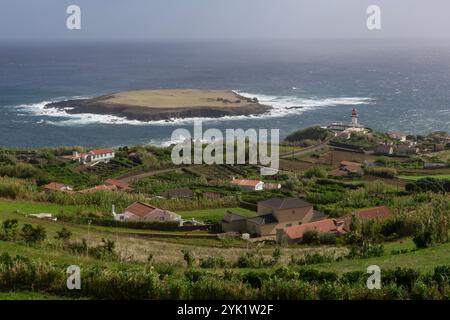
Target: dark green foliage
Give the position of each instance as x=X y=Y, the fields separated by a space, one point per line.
x=22 y=274
x=389 y=173
x=429 y=185
x=9 y=230
x=315 y=134
x=313 y=258
x=213 y=262
x=33 y=235
x=63 y=235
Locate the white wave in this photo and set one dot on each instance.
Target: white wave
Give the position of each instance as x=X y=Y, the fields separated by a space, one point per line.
x=67 y=119
x=281 y=106
x=286 y=105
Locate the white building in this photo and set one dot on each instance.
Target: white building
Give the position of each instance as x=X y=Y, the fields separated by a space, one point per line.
x=93 y=156
x=255 y=185
x=353 y=126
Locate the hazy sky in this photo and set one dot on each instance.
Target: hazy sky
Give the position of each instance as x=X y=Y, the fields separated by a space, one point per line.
x=25 y=20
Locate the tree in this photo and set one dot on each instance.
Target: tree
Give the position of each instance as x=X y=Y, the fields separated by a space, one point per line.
x=63 y=235
x=9 y=230
x=32 y=234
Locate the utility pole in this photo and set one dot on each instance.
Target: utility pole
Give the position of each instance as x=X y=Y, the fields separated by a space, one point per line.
x=88 y=238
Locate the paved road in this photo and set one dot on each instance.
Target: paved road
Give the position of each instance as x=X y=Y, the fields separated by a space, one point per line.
x=305 y=150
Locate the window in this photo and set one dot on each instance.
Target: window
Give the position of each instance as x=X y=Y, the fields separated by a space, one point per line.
x=289 y=225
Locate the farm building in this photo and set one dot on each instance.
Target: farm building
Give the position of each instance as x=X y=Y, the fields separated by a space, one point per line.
x=92 y=157
x=139 y=211
x=294 y=234
x=256 y=185
x=272 y=214
x=55 y=186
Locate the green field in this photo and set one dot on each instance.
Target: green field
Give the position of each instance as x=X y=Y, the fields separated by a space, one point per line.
x=415 y=178
x=214 y=215
x=34 y=207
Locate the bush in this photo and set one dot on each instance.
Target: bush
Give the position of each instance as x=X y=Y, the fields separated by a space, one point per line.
x=213 y=262
x=313 y=258
x=9 y=230
x=188 y=257
x=63 y=235
x=32 y=235
x=310 y=237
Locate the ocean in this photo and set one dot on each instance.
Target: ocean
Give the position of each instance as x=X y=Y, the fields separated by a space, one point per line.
x=395 y=85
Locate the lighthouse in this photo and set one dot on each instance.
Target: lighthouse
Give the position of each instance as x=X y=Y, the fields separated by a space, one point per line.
x=354 y=117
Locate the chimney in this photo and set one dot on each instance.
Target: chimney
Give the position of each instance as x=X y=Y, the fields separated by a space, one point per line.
x=113 y=210
x=75 y=153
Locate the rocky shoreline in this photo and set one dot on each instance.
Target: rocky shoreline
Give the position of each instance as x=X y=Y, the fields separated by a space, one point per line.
x=214 y=106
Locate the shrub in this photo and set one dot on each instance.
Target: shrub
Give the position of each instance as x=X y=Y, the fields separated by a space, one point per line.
x=9 y=230
x=213 y=262
x=313 y=258
x=310 y=237
x=32 y=234
x=188 y=257
x=63 y=235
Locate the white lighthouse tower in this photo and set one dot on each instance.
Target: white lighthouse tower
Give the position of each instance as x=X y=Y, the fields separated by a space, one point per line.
x=355 y=117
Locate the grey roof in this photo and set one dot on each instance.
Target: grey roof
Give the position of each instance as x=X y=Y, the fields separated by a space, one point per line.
x=317 y=215
x=230 y=216
x=264 y=219
x=290 y=203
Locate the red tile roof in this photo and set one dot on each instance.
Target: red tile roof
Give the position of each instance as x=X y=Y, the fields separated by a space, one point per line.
x=99 y=188
x=379 y=213
x=337 y=173
x=350 y=163
x=101 y=151
x=324 y=226
x=56 y=186
x=245 y=182
x=140 y=209
x=118 y=183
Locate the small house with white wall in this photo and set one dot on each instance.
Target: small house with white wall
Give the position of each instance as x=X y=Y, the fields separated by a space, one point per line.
x=140 y=211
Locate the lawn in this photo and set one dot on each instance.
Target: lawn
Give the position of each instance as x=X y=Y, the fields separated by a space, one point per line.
x=214 y=215
x=34 y=207
x=415 y=178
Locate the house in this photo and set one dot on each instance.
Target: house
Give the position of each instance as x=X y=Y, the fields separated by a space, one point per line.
x=271 y=215
x=351 y=167
x=406 y=150
x=140 y=211
x=271 y=186
x=55 y=186
x=99 y=188
x=178 y=193
x=376 y=213
x=295 y=233
x=397 y=136
x=256 y=185
x=92 y=157
x=384 y=149
x=119 y=184
x=346 y=167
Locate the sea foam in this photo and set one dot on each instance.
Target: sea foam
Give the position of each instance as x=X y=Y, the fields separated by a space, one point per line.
x=282 y=106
